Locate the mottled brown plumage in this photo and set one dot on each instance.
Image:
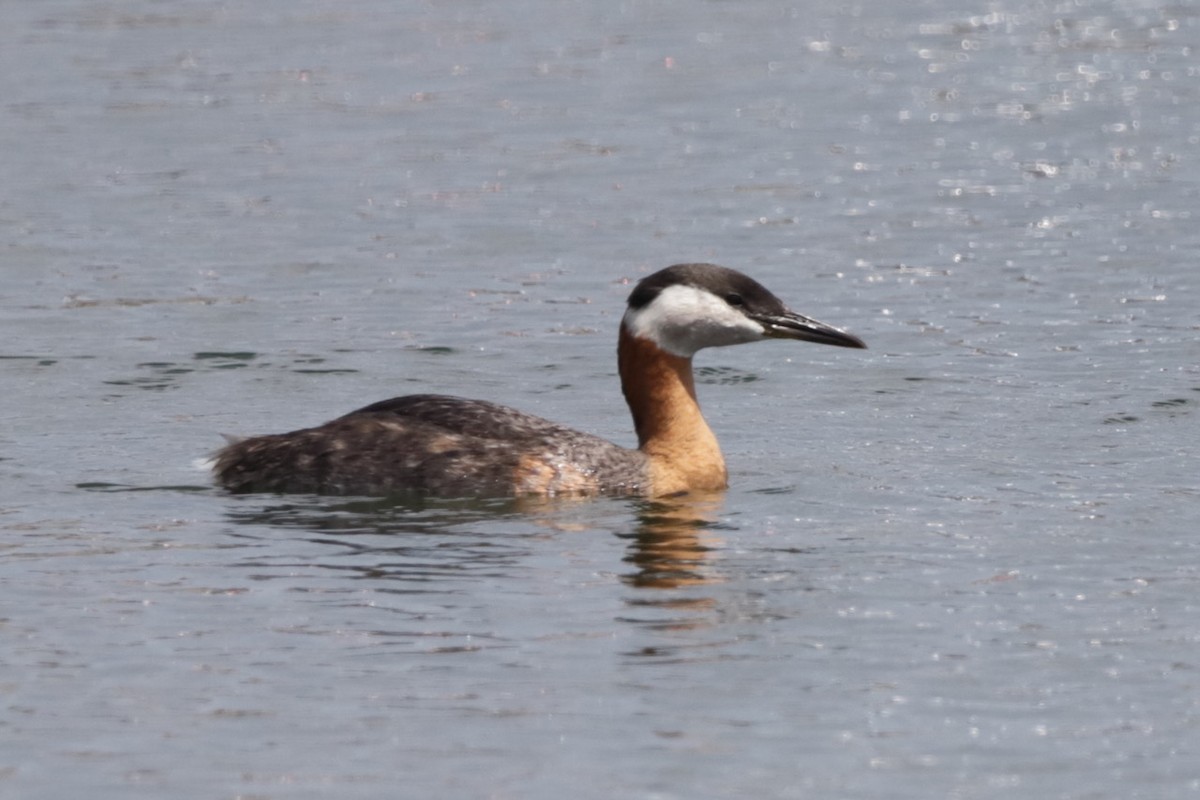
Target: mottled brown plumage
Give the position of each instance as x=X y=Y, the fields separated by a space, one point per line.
x=433 y=444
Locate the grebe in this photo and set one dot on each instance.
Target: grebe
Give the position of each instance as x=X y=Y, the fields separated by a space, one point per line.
x=449 y=446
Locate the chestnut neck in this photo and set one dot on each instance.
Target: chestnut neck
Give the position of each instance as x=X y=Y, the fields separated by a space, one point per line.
x=661 y=392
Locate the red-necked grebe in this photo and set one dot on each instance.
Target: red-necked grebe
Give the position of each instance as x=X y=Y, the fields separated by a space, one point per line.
x=448 y=446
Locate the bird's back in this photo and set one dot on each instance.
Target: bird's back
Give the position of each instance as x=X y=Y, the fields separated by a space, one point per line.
x=433 y=444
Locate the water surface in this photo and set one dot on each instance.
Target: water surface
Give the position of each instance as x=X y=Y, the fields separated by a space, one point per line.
x=960 y=564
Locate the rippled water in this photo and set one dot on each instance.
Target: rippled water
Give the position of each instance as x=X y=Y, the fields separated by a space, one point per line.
x=960 y=564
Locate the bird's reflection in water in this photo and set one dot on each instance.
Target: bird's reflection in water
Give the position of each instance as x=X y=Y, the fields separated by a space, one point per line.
x=412 y=543
x=675 y=554
x=383 y=515
x=673 y=544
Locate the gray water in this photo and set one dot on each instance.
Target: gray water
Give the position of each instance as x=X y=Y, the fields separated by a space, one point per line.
x=961 y=564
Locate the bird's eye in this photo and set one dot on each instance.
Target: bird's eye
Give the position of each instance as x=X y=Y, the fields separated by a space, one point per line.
x=734 y=299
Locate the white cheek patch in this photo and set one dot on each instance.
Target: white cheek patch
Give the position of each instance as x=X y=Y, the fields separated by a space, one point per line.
x=684 y=319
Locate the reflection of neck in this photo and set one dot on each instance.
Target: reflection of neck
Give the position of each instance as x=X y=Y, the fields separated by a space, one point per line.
x=659 y=388
x=675 y=547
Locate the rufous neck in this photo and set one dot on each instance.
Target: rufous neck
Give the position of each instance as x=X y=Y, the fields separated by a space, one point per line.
x=661 y=393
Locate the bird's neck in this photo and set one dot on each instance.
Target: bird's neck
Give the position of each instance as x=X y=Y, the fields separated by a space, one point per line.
x=661 y=393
